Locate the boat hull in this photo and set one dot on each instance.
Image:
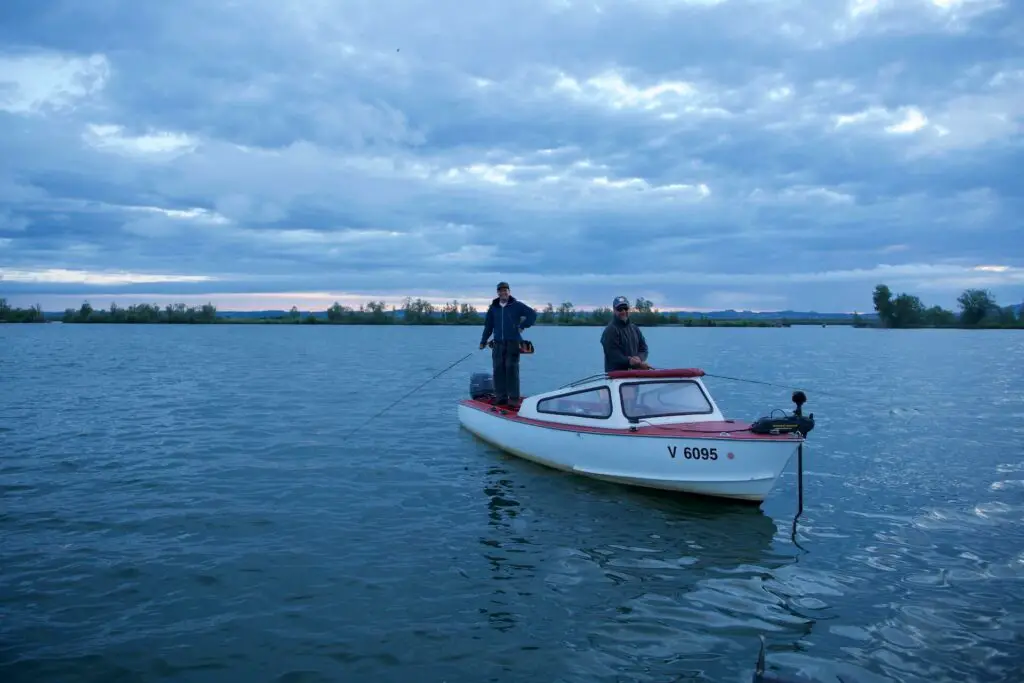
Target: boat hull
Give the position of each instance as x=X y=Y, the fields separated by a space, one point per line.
x=710 y=464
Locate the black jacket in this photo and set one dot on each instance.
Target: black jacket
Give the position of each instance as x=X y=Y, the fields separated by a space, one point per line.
x=506 y=321
x=620 y=340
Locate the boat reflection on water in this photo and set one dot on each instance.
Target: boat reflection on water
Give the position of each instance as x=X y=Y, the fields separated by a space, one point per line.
x=643 y=578
x=610 y=524
x=507 y=552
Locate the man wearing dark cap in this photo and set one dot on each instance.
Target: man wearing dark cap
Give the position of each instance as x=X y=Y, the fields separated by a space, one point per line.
x=624 y=345
x=506 y=318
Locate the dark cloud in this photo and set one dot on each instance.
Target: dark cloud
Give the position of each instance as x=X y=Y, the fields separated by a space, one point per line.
x=731 y=153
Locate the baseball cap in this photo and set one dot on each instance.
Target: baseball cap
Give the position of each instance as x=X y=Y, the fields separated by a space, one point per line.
x=620 y=301
x=503 y=284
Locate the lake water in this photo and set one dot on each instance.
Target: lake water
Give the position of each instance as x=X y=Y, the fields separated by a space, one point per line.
x=189 y=504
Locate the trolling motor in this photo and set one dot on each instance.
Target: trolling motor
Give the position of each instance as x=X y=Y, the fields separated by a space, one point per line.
x=787 y=424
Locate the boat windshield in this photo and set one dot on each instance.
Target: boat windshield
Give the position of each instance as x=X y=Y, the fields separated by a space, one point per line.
x=586 y=403
x=662 y=399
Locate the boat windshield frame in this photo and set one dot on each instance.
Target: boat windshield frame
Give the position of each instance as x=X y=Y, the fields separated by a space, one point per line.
x=661 y=385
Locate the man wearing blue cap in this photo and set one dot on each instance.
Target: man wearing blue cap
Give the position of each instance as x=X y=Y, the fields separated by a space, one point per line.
x=624 y=345
x=506 y=317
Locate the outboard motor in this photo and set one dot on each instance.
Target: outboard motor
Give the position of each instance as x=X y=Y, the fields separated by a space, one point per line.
x=481 y=385
x=787 y=423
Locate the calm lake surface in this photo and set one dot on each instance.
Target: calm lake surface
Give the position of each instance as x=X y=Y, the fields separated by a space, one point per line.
x=189 y=504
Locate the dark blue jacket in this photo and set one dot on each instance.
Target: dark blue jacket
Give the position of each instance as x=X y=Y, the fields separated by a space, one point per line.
x=504 y=320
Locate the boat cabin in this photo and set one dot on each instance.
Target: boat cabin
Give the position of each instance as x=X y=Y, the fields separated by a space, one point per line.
x=627 y=398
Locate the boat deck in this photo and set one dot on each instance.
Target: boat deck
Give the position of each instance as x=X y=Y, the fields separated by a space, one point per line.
x=728 y=429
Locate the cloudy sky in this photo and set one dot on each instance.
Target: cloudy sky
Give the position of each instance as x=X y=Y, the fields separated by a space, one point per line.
x=705 y=154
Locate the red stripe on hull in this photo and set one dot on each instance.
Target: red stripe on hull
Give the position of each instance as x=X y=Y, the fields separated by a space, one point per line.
x=736 y=429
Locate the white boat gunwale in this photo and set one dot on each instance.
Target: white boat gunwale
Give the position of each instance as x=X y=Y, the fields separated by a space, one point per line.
x=738 y=430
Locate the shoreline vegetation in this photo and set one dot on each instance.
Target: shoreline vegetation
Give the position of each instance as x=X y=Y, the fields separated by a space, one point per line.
x=978 y=310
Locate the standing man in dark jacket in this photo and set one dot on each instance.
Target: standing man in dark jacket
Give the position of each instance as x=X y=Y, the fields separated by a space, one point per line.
x=506 y=317
x=624 y=345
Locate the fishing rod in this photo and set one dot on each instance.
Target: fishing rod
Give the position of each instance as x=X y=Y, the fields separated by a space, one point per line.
x=525 y=347
x=408 y=393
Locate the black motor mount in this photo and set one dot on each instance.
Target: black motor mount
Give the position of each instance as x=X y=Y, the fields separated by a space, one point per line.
x=481 y=385
x=787 y=424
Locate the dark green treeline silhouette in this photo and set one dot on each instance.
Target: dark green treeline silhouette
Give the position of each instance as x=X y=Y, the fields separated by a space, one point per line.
x=978 y=309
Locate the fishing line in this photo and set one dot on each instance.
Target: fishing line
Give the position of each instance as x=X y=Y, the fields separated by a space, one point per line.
x=407 y=394
x=893 y=407
x=773 y=384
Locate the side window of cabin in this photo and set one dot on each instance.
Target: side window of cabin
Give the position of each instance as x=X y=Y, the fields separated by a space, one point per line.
x=661 y=399
x=590 y=403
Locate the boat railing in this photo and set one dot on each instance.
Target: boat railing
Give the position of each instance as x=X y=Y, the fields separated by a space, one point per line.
x=656 y=376
x=585 y=380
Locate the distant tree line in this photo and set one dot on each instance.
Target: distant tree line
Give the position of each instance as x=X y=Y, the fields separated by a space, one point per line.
x=139 y=313
x=143 y=313
x=422 y=312
x=412 y=312
x=978 y=309
x=33 y=314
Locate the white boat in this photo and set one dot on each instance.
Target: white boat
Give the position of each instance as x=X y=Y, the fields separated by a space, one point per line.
x=659 y=429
